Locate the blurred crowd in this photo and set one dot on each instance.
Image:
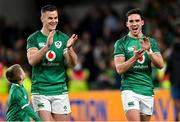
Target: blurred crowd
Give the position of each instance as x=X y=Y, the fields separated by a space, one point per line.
x=98 y=30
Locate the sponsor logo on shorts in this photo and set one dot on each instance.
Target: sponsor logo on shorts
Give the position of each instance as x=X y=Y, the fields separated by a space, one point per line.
x=130 y=104
x=40 y=105
x=151 y=108
x=65 y=108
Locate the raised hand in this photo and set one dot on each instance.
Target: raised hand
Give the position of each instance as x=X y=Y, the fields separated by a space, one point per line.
x=138 y=53
x=145 y=43
x=50 y=38
x=72 y=40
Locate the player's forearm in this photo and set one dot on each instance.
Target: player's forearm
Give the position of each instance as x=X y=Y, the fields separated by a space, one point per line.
x=35 y=58
x=157 y=60
x=121 y=68
x=72 y=57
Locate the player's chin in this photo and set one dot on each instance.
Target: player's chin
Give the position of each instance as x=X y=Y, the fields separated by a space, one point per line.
x=52 y=28
x=134 y=32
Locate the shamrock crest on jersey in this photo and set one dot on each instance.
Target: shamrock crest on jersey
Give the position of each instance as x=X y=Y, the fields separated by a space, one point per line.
x=58 y=44
x=50 y=55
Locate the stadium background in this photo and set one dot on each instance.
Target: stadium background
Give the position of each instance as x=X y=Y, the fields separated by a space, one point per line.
x=93 y=84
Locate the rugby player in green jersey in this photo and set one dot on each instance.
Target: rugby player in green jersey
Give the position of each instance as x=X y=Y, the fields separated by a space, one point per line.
x=134 y=55
x=18 y=101
x=46 y=50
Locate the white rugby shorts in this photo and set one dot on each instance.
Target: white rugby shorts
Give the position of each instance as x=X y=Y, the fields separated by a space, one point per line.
x=131 y=100
x=57 y=104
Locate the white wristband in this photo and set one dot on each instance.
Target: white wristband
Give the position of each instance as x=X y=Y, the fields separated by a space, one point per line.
x=150 y=51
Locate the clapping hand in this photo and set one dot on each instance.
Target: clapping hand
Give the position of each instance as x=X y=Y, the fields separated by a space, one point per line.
x=50 y=38
x=72 y=40
x=145 y=43
x=138 y=53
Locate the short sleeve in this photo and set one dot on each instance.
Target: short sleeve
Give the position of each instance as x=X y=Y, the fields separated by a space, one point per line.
x=31 y=42
x=118 y=49
x=154 y=46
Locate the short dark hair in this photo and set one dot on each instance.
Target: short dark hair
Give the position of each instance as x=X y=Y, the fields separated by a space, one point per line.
x=135 y=11
x=13 y=73
x=48 y=8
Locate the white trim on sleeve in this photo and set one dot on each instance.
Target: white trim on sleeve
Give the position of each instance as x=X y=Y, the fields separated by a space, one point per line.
x=24 y=106
x=119 y=55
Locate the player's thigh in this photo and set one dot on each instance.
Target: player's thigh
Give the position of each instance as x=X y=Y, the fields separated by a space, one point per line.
x=146 y=105
x=61 y=106
x=61 y=117
x=145 y=117
x=42 y=105
x=41 y=102
x=45 y=115
x=133 y=115
x=129 y=100
x=130 y=105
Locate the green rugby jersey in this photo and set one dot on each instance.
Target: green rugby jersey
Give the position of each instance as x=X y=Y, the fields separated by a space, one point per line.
x=48 y=77
x=18 y=101
x=138 y=77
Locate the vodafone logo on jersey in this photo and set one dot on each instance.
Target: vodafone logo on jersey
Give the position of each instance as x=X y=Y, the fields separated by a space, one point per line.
x=50 y=55
x=141 y=59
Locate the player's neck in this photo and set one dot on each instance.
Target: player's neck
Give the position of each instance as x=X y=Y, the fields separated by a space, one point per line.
x=135 y=36
x=20 y=82
x=45 y=31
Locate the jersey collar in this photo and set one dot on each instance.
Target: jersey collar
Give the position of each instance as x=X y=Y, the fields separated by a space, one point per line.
x=140 y=38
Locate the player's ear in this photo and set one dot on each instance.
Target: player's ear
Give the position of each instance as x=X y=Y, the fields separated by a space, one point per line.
x=142 y=22
x=41 y=18
x=126 y=24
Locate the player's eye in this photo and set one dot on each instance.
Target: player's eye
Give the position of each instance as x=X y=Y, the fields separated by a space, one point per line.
x=131 y=21
x=137 y=20
x=50 y=18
